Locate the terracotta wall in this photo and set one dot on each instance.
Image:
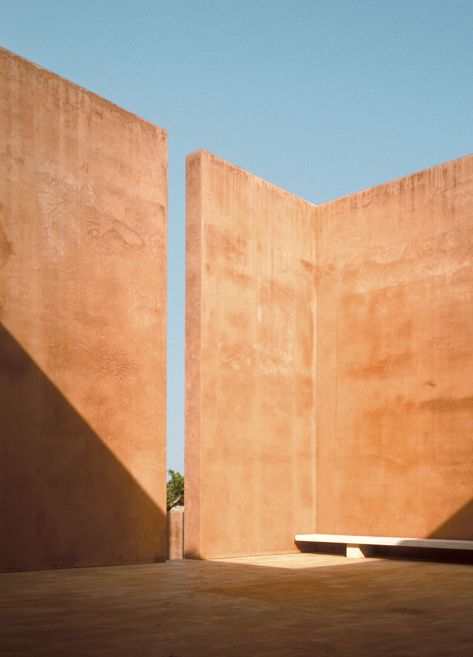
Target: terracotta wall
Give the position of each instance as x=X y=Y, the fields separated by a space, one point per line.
x=83 y=204
x=250 y=449
x=395 y=358
x=386 y=278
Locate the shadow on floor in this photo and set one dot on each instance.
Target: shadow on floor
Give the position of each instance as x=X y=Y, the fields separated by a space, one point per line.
x=395 y=552
x=286 y=606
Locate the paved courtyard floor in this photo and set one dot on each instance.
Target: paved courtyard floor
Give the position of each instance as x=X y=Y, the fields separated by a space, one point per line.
x=300 y=605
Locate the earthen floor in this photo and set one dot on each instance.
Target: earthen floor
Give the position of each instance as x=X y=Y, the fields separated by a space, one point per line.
x=283 y=606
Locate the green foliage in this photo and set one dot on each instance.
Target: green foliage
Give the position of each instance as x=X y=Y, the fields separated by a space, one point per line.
x=175 y=489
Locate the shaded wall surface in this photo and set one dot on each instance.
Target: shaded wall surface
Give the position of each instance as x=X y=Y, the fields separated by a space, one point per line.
x=83 y=205
x=395 y=357
x=250 y=412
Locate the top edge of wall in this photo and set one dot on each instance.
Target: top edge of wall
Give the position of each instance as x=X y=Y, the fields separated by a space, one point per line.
x=8 y=54
x=395 y=183
x=201 y=153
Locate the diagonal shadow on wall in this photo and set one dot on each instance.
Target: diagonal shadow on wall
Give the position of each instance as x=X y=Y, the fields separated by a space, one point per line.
x=65 y=499
x=460 y=524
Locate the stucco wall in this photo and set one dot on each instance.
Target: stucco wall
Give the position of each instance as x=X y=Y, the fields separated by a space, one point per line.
x=250 y=425
x=395 y=358
x=386 y=278
x=83 y=212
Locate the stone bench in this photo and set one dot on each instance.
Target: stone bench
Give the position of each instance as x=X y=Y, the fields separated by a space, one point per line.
x=356 y=545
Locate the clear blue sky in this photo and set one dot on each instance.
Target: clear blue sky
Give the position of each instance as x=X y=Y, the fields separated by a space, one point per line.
x=321 y=97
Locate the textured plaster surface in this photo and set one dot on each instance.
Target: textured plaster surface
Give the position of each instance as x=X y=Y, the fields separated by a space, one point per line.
x=83 y=204
x=250 y=447
x=286 y=606
x=344 y=327
x=395 y=358
x=175 y=534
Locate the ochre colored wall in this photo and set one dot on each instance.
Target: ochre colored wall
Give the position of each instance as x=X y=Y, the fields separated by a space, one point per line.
x=386 y=397
x=395 y=358
x=83 y=216
x=250 y=425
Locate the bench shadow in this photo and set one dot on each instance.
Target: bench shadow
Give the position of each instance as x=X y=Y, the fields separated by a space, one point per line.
x=65 y=499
